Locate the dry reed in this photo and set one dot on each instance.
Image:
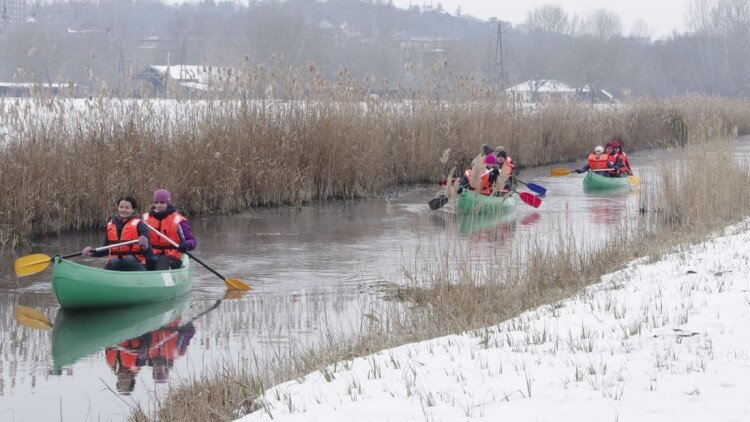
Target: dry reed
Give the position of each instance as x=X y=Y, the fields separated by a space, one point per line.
x=273 y=136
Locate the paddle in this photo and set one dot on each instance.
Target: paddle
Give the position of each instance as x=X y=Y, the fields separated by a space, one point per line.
x=534 y=188
x=438 y=202
x=232 y=283
x=32 y=264
x=561 y=171
x=530 y=199
x=32 y=318
x=634 y=181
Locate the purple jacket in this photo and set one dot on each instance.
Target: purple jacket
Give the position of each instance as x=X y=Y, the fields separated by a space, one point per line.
x=185 y=233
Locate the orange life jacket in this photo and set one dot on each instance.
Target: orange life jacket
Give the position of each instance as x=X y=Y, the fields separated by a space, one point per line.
x=508 y=167
x=164 y=342
x=600 y=163
x=168 y=226
x=624 y=158
x=126 y=355
x=484 y=182
x=129 y=232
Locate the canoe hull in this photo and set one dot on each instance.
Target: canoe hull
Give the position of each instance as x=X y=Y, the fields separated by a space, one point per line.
x=78 y=286
x=470 y=202
x=596 y=182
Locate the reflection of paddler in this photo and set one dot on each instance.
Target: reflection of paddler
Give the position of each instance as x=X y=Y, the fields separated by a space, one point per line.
x=158 y=349
x=167 y=344
x=126 y=360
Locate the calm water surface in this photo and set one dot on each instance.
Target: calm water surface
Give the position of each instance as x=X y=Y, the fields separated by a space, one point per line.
x=313 y=268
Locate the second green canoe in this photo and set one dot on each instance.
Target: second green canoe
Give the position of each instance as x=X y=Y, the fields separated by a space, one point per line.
x=597 y=182
x=472 y=202
x=78 y=286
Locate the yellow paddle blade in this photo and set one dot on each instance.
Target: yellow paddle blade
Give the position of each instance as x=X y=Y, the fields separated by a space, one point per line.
x=236 y=284
x=560 y=172
x=233 y=294
x=634 y=181
x=32 y=264
x=32 y=318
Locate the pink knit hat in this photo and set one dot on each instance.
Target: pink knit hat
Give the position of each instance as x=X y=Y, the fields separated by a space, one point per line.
x=162 y=195
x=490 y=160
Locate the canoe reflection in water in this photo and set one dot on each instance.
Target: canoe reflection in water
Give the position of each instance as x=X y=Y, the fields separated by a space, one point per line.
x=157 y=349
x=152 y=335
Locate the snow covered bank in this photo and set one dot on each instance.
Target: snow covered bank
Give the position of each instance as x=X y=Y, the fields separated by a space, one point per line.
x=653 y=342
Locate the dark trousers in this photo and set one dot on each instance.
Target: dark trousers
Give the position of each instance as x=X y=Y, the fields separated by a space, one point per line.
x=163 y=262
x=124 y=263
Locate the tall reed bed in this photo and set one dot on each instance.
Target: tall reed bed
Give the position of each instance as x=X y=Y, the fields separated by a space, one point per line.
x=272 y=137
x=454 y=294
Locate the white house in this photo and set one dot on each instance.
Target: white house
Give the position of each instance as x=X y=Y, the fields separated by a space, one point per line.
x=545 y=90
x=163 y=80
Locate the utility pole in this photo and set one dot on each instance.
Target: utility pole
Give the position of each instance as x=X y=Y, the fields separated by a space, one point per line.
x=182 y=61
x=499 y=54
x=121 y=72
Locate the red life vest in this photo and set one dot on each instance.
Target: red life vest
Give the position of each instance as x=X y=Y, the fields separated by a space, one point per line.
x=484 y=182
x=164 y=342
x=169 y=226
x=508 y=167
x=600 y=163
x=624 y=158
x=125 y=355
x=129 y=232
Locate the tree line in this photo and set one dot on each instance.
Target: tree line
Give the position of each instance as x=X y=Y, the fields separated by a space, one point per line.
x=103 y=43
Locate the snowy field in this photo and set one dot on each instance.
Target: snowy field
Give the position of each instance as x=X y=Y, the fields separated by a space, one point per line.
x=663 y=341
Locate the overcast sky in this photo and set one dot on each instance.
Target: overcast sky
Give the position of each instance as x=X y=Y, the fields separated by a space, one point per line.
x=662 y=16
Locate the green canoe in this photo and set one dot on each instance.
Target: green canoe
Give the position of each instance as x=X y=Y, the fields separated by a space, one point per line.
x=77 y=286
x=596 y=182
x=80 y=333
x=471 y=202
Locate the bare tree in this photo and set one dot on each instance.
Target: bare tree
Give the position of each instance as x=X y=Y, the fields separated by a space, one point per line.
x=698 y=17
x=602 y=24
x=595 y=58
x=548 y=18
x=640 y=30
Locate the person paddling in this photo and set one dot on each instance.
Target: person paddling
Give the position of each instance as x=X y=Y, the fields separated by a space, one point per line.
x=619 y=154
x=123 y=227
x=507 y=168
x=164 y=218
x=598 y=162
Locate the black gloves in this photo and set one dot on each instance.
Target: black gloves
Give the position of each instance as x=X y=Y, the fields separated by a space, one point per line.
x=183 y=247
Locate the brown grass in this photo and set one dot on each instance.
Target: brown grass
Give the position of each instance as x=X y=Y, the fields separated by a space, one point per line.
x=454 y=295
x=64 y=162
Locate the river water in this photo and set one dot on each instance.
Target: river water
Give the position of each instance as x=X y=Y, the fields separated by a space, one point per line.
x=313 y=269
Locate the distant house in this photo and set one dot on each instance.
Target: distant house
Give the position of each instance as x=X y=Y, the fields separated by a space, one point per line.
x=165 y=81
x=546 y=90
x=27 y=89
x=423 y=52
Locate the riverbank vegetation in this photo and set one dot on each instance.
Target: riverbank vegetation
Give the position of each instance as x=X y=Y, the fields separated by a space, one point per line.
x=63 y=162
x=678 y=207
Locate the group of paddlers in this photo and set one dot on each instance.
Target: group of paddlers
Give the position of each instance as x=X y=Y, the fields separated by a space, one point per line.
x=609 y=160
x=492 y=172
x=152 y=251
